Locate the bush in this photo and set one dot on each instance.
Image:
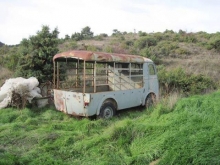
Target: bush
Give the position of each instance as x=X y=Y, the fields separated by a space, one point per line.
x=91 y=48
x=177 y=80
x=214 y=43
x=181 y=51
x=165 y=48
x=144 y=42
x=146 y=52
x=141 y=34
x=129 y=43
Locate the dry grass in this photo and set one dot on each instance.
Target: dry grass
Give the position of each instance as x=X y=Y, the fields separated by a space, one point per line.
x=200 y=61
x=170 y=100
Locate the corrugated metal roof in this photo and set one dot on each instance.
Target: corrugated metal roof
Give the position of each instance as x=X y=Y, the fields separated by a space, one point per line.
x=101 y=56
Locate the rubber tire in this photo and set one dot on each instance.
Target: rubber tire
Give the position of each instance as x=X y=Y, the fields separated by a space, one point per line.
x=150 y=100
x=107 y=110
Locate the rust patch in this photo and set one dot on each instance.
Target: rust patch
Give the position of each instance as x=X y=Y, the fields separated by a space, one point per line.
x=101 y=56
x=75 y=114
x=59 y=101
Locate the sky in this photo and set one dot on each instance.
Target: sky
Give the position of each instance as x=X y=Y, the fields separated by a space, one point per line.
x=23 y=18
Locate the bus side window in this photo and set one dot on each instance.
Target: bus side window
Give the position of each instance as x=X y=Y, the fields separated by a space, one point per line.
x=151 y=69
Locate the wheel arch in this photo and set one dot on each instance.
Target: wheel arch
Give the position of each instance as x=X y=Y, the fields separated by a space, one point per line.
x=107 y=99
x=148 y=95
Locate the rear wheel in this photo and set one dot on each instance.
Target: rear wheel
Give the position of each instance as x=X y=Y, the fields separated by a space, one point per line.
x=150 y=100
x=107 y=110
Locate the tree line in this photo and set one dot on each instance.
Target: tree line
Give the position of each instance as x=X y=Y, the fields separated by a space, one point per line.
x=33 y=56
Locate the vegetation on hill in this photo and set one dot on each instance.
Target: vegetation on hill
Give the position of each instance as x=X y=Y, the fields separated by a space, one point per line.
x=196 y=54
x=185 y=133
x=36 y=55
x=1 y=44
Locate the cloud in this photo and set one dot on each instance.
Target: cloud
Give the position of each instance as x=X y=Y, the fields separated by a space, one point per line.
x=22 y=18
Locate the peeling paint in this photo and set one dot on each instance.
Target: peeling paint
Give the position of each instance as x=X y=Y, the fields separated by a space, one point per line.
x=101 y=57
x=126 y=82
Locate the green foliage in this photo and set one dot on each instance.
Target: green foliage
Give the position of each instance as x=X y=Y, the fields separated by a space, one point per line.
x=169 y=31
x=188 y=84
x=146 y=41
x=141 y=34
x=10 y=58
x=67 y=37
x=214 y=43
x=187 y=133
x=182 y=36
x=147 y=52
x=101 y=36
x=165 y=48
x=158 y=46
x=68 y=45
x=129 y=43
x=116 y=32
x=86 y=33
x=181 y=51
x=4 y=49
x=72 y=44
x=159 y=36
x=108 y=49
x=37 y=55
x=91 y=48
x=197 y=117
x=76 y=36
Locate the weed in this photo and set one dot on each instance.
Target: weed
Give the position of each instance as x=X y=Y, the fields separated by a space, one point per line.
x=176 y=131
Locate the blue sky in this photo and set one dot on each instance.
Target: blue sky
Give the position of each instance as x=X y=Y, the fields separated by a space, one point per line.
x=21 y=18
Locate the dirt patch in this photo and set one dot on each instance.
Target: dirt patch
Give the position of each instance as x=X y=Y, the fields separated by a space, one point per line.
x=155 y=162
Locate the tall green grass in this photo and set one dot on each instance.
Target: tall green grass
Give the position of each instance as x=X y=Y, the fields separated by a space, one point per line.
x=185 y=133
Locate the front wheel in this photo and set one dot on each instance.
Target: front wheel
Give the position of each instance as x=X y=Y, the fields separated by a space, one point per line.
x=107 y=110
x=150 y=100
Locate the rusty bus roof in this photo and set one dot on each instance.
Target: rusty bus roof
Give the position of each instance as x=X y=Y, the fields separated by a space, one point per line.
x=101 y=57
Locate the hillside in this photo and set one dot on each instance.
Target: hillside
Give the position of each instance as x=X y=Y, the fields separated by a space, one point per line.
x=1 y=44
x=197 y=53
x=187 y=133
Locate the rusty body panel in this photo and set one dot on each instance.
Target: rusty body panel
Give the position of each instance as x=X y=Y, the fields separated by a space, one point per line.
x=101 y=57
x=89 y=79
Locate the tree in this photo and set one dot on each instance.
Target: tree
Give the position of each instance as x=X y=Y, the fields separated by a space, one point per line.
x=37 y=55
x=67 y=37
x=76 y=36
x=116 y=32
x=86 y=33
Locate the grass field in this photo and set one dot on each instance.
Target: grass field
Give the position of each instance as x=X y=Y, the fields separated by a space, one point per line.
x=185 y=133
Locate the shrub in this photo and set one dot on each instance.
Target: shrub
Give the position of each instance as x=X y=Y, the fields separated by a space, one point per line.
x=91 y=48
x=146 y=52
x=181 y=51
x=129 y=43
x=177 y=80
x=214 y=43
x=101 y=36
x=141 y=34
x=146 y=41
x=159 y=36
x=165 y=48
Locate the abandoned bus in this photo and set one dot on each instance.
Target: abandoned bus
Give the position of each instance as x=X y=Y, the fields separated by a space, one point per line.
x=95 y=83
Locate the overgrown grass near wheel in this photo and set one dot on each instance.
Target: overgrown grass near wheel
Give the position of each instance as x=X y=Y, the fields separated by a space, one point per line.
x=185 y=133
